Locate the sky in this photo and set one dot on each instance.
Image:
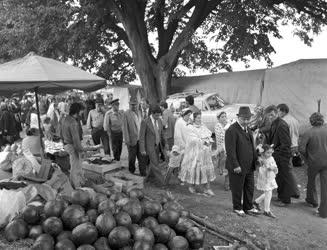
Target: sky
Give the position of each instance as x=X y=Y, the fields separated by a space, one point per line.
x=288 y=49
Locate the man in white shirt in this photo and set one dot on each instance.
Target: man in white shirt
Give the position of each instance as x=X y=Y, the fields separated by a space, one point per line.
x=293 y=124
x=95 y=124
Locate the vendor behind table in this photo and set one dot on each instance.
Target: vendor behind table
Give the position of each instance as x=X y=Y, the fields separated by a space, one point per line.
x=72 y=144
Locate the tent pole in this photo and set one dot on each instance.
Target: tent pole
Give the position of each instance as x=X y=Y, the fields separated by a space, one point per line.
x=39 y=120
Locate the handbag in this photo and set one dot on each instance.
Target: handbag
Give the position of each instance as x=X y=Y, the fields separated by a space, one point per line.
x=297 y=160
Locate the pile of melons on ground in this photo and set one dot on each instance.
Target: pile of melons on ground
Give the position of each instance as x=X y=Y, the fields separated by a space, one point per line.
x=97 y=221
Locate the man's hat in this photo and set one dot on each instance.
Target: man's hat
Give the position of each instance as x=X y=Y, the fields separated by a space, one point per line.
x=115 y=101
x=133 y=101
x=244 y=111
x=99 y=100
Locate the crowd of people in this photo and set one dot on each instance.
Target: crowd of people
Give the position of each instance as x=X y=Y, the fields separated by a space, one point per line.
x=153 y=134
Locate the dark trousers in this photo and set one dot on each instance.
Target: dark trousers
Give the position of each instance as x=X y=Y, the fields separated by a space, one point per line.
x=242 y=184
x=287 y=186
x=133 y=153
x=312 y=196
x=99 y=135
x=170 y=143
x=117 y=144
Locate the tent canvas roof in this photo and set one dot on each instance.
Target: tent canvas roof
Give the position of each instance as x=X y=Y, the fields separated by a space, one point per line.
x=298 y=84
x=49 y=75
x=233 y=87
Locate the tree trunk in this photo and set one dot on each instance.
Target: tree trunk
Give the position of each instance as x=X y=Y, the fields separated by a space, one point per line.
x=155 y=77
x=155 y=81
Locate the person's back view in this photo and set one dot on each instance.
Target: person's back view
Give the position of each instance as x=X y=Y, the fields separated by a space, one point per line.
x=313 y=146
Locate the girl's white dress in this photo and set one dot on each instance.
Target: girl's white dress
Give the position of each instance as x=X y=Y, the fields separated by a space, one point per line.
x=267 y=174
x=197 y=167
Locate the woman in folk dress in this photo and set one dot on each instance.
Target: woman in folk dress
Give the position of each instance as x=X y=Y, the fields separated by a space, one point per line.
x=197 y=167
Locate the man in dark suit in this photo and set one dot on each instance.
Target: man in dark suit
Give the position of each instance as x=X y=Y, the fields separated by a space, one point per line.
x=240 y=163
x=131 y=127
x=152 y=137
x=168 y=122
x=279 y=135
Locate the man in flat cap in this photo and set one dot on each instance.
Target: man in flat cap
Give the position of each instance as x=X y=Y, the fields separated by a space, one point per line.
x=113 y=125
x=131 y=131
x=95 y=124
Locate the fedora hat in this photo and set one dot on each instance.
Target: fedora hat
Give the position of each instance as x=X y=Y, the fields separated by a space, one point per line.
x=244 y=111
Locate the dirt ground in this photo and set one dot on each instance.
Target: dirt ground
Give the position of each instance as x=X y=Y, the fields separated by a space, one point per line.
x=296 y=227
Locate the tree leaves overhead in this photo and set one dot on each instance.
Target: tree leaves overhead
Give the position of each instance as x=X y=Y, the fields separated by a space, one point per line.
x=91 y=34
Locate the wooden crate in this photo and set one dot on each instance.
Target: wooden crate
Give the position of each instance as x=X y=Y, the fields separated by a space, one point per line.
x=125 y=180
x=101 y=169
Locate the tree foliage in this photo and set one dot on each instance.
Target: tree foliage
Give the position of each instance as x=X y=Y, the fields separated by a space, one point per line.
x=154 y=38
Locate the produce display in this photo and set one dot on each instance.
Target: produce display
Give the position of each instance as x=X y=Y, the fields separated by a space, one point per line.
x=90 y=220
x=53 y=147
x=99 y=160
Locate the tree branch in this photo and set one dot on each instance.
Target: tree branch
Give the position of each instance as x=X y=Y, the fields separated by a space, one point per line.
x=173 y=21
x=200 y=13
x=119 y=31
x=116 y=9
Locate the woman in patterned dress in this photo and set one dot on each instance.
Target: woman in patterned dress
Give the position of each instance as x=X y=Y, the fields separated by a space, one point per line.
x=197 y=167
x=220 y=130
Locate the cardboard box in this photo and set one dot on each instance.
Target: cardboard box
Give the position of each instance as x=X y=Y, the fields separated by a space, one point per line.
x=125 y=180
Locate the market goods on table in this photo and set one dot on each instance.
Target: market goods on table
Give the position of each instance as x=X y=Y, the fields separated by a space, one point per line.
x=90 y=220
x=53 y=147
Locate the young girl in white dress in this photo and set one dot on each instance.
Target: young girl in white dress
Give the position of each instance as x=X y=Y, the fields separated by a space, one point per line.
x=266 y=178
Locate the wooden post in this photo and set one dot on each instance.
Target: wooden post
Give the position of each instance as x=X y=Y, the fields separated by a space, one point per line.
x=39 y=120
x=319 y=102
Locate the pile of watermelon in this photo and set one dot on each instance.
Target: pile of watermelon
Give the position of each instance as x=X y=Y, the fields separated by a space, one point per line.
x=97 y=221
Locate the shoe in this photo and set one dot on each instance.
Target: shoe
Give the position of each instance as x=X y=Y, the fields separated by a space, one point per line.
x=269 y=214
x=192 y=190
x=312 y=204
x=257 y=205
x=252 y=211
x=296 y=196
x=281 y=204
x=209 y=192
x=239 y=213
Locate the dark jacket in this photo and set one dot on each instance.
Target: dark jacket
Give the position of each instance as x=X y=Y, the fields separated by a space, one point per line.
x=148 y=136
x=313 y=145
x=240 y=149
x=279 y=135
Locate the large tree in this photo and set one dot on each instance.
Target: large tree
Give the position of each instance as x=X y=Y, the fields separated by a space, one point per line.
x=154 y=38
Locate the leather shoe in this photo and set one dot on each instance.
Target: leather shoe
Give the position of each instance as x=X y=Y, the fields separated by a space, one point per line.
x=269 y=214
x=296 y=196
x=257 y=206
x=312 y=204
x=252 y=211
x=239 y=212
